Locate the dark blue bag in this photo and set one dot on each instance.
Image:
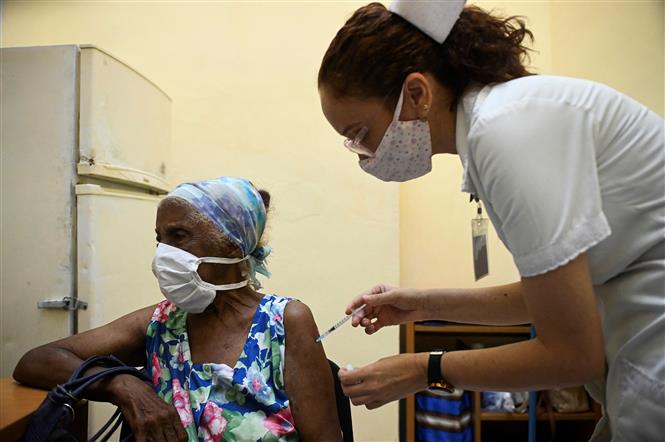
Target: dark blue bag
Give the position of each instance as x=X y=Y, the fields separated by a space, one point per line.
x=51 y=421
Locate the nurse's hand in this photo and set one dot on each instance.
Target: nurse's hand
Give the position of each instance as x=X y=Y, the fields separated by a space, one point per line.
x=385 y=380
x=386 y=305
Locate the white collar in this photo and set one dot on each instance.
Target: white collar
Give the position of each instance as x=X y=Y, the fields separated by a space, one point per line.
x=465 y=109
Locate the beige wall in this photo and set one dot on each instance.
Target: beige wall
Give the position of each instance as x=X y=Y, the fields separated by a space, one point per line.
x=242 y=77
x=619 y=43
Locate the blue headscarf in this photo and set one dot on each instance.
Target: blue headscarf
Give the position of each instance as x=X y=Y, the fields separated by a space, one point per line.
x=237 y=209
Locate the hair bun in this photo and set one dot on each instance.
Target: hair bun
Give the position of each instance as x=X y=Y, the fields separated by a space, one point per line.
x=265 y=196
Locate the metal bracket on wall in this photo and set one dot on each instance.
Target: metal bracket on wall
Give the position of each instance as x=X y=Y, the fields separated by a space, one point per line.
x=66 y=303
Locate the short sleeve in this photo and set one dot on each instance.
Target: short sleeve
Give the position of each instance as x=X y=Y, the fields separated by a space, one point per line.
x=536 y=164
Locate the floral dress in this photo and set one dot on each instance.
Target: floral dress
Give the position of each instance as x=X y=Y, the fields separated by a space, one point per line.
x=216 y=402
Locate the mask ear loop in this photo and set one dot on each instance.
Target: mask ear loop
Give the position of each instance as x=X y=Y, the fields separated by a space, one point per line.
x=400 y=105
x=236 y=285
x=396 y=114
x=217 y=260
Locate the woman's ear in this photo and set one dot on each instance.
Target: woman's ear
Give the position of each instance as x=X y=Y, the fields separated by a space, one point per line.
x=417 y=97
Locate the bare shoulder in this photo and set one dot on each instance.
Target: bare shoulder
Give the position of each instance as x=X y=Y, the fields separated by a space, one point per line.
x=298 y=316
x=143 y=314
x=297 y=310
x=136 y=321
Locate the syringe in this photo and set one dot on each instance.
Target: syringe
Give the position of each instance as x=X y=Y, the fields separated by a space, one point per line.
x=340 y=323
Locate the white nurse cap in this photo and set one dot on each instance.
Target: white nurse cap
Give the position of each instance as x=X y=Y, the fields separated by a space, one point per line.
x=434 y=17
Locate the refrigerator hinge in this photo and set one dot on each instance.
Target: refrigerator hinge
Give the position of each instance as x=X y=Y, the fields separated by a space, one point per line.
x=66 y=303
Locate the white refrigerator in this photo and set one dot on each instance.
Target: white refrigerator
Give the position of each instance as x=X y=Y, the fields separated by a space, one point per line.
x=85 y=158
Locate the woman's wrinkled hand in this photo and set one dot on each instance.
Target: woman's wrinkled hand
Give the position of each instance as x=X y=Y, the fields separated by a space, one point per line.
x=386 y=305
x=385 y=380
x=149 y=417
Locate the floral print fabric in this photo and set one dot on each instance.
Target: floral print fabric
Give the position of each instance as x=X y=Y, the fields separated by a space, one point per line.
x=216 y=402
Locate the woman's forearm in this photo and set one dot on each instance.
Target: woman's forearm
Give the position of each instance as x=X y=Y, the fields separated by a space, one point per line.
x=569 y=348
x=526 y=365
x=499 y=305
x=47 y=366
x=54 y=363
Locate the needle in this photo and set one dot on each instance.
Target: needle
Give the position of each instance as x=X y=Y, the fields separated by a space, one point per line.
x=340 y=323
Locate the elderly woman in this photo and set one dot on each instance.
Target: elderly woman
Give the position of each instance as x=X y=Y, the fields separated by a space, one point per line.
x=216 y=349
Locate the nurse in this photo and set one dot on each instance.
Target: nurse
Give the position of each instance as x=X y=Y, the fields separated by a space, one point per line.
x=570 y=172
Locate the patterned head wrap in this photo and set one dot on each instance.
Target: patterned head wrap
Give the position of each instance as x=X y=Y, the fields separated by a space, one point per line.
x=237 y=209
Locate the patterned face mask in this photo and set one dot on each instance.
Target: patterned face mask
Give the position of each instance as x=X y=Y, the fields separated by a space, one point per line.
x=405 y=152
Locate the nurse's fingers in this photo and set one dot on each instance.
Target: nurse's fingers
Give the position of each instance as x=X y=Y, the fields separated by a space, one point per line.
x=365 y=316
x=374 y=324
x=374 y=327
x=355 y=392
x=370 y=312
x=371 y=405
x=360 y=400
x=358 y=300
x=350 y=377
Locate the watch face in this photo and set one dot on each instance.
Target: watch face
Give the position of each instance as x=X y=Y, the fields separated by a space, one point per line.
x=443 y=387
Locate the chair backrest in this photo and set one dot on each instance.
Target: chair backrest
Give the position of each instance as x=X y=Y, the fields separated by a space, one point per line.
x=343 y=405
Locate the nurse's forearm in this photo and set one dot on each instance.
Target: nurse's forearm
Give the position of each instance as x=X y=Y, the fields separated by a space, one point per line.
x=526 y=365
x=500 y=305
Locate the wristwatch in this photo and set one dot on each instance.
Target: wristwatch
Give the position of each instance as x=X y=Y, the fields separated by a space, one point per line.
x=435 y=379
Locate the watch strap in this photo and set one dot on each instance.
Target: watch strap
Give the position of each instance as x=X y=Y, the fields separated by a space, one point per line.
x=434 y=366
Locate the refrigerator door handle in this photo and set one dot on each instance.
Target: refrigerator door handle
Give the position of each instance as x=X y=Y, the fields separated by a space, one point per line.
x=66 y=303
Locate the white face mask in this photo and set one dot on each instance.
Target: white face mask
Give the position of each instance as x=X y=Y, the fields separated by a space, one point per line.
x=405 y=152
x=179 y=281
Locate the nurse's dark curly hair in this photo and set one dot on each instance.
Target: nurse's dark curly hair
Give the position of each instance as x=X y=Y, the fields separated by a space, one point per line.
x=375 y=50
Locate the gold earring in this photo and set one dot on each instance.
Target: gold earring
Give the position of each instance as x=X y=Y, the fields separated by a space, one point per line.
x=424 y=117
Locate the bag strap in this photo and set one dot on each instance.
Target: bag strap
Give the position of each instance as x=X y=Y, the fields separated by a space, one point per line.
x=105 y=361
x=77 y=389
x=114 y=422
x=76 y=385
x=58 y=407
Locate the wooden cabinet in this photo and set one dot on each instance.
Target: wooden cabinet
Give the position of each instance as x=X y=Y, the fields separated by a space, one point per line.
x=488 y=426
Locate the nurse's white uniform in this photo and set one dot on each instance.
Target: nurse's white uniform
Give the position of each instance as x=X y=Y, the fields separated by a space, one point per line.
x=565 y=166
